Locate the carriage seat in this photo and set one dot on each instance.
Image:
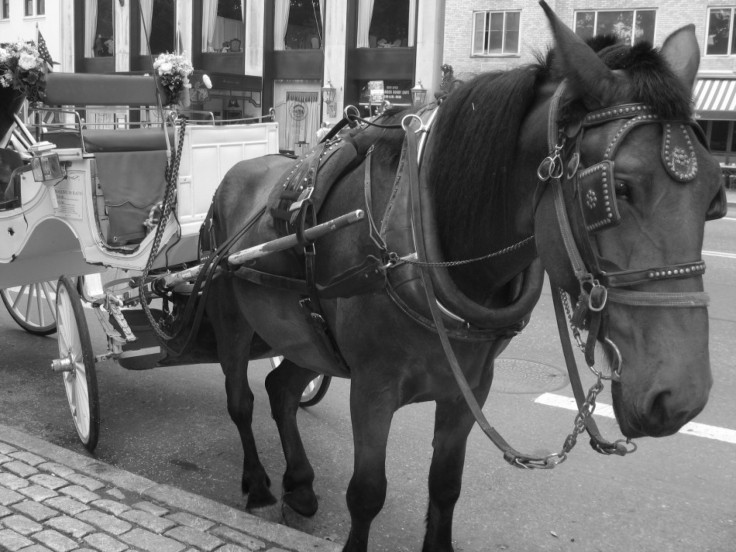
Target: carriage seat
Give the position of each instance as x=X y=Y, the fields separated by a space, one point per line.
x=102 y=140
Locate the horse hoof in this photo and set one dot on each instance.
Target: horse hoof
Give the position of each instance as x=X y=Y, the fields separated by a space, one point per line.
x=272 y=512
x=302 y=500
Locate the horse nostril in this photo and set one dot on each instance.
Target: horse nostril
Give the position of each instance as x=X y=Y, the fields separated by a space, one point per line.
x=665 y=416
x=658 y=413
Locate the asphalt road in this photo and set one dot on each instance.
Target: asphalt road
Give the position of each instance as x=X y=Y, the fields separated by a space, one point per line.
x=675 y=494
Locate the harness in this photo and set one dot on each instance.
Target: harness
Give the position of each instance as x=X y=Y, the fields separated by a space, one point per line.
x=599 y=280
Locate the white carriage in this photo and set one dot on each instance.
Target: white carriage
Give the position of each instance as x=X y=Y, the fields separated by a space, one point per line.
x=80 y=197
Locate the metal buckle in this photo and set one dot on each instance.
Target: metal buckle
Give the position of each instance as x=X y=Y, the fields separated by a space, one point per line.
x=304 y=196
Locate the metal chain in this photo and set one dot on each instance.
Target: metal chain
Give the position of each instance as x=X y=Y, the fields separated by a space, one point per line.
x=172 y=177
x=395 y=259
x=568 y=312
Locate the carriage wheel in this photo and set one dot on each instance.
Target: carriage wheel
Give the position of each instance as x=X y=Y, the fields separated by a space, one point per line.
x=316 y=389
x=32 y=306
x=77 y=363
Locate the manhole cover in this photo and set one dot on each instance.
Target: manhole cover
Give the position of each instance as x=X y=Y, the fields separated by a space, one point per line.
x=513 y=375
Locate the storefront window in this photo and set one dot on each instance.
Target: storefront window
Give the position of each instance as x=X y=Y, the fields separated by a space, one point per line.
x=298 y=24
x=99 y=39
x=386 y=23
x=158 y=18
x=631 y=26
x=304 y=28
x=223 y=26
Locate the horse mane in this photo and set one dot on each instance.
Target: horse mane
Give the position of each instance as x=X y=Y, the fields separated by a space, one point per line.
x=477 y=130
x=475 y=136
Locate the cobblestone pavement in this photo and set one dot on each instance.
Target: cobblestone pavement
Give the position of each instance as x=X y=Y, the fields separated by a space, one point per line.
x=52 y=499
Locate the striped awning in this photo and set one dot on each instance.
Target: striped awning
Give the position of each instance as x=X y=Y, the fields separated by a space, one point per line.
x=715 y=99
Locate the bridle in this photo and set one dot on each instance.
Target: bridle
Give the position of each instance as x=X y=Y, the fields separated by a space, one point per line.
x=585 y=203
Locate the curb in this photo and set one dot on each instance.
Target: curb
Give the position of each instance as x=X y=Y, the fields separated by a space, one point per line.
x=281 y=535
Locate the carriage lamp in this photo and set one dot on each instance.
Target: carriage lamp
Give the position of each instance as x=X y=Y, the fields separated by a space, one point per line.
x=46 y=167
x=418 y=94
x=328 y=96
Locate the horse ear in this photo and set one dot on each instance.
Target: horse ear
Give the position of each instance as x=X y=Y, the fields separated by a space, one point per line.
x=682 y=53
x=588 y=76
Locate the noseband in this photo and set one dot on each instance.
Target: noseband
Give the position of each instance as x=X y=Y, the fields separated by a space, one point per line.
x=594 y=208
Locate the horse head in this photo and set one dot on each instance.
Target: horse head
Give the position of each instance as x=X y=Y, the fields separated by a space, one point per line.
x=631 y=173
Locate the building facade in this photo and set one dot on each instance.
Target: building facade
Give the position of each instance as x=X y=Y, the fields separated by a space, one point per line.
x=308 y=59
x=304 y=59
x=485 y=35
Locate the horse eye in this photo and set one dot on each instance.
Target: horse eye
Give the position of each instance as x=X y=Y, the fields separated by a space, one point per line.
x=622 y=189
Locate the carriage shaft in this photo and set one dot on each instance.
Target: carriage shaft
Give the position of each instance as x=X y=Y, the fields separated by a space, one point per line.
x=280 y=244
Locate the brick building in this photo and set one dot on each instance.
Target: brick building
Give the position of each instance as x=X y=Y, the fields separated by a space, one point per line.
x=485 y=35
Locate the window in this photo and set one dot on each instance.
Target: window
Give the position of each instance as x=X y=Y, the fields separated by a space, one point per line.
x=386 y=23
x=40 y=6
x=99 y=38
x=720 y=40
x=496 y=33
x=158 y=18
x=223 y=26
x=631 y=26
x=304 y=26
x=6 y=10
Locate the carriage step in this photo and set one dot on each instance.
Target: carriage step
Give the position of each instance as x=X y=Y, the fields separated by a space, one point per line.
x=140 y=359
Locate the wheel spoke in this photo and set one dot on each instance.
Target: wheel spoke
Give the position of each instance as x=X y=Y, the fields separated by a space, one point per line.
x=18 y=297
x=29 y=302
x=49 y=294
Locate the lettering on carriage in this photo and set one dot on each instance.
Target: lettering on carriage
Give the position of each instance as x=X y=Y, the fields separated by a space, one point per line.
x=70 y=196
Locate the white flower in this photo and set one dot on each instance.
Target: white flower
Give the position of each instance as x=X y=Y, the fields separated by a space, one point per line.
x=27 y=61
x=4 y=55
x=165 y=68
x=207 y=82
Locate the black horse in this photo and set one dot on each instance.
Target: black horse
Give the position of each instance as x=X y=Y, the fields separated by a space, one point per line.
x=622 y=164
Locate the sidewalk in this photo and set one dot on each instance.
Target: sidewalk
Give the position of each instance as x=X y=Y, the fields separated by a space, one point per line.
x=52 y=499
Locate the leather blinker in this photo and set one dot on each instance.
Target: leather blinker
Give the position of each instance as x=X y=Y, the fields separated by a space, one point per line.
x=597 y=196
x=678 y=152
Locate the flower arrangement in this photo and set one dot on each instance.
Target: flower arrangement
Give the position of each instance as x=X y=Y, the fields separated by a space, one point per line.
x=23 y=69
x=173 y=72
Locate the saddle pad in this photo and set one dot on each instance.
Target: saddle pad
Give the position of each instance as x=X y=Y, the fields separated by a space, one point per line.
x=312 y=177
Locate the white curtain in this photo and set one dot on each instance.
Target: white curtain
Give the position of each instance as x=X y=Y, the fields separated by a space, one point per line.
x=365 y=14
x=90 y=28
x=281 y=22
x=209 y=23
x=146 y=19
x=412 y=22
x=302 y=120
x=322 y=17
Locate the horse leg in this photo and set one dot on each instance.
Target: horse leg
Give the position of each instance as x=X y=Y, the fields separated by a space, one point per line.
x=234 y=336
x=453 y=422
x=285 y=385
x=371 y=411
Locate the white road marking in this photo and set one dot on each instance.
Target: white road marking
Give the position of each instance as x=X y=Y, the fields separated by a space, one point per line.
x=720 y=254
x=605 y=410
